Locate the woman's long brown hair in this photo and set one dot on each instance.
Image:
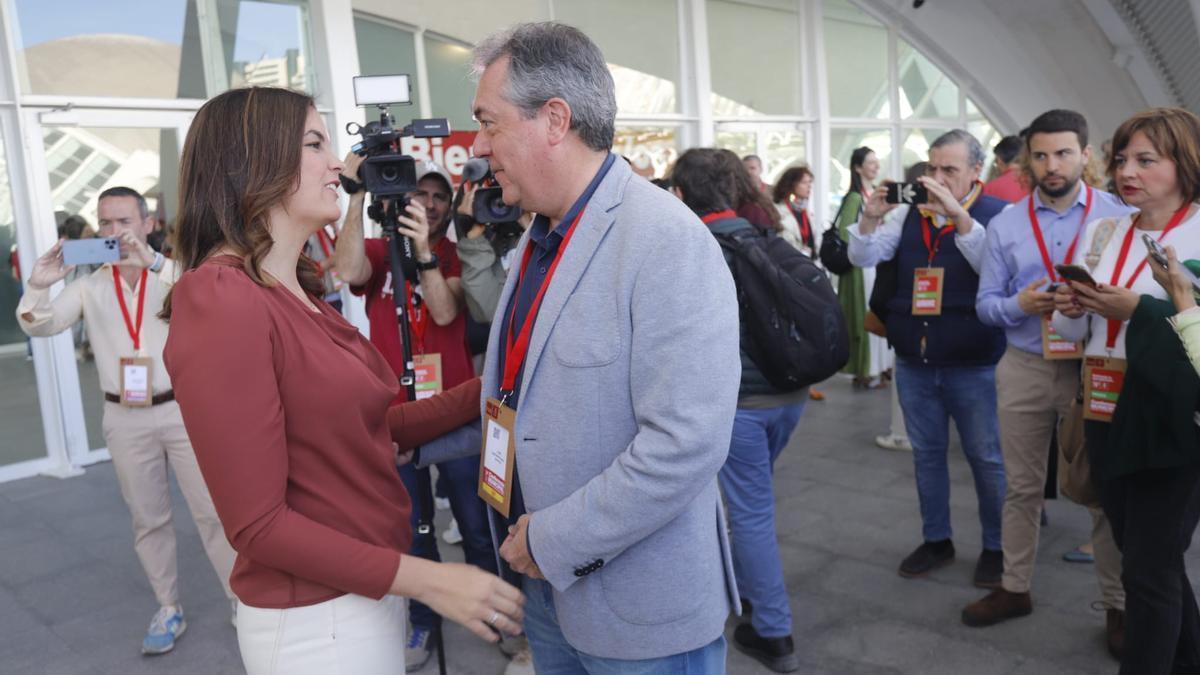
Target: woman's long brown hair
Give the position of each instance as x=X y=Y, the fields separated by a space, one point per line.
x=240 y=159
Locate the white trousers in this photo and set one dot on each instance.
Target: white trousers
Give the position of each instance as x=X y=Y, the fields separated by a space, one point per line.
x=349 y=635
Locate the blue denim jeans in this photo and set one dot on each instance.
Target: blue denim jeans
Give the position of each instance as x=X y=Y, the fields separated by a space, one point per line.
x=930 y=396
x=554 y=655
x=746 y=481
x=461 y=483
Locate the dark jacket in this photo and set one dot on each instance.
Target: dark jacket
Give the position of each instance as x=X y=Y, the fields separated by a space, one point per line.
x=956 y=337
x=1154 y=425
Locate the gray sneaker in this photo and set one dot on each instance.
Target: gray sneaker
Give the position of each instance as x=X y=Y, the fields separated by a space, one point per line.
x=418 y=649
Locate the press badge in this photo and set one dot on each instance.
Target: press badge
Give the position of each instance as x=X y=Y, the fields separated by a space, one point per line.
x=1055 y=347
x=428 y=370
x=135 y=381
x=1103 y=378
x=498 y=455
x=927 y=291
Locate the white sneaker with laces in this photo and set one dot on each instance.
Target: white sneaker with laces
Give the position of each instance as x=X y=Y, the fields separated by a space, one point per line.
x=893 y=442
x=452 y=535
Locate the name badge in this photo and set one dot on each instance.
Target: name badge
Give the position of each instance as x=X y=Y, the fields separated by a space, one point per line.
x=1103 y=378
x=428 y=369
x=135 y=381
x=498 y=455
x=1055 y=347
x=927 y=291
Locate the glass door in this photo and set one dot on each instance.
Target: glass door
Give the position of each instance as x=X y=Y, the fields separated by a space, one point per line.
x=81 y=154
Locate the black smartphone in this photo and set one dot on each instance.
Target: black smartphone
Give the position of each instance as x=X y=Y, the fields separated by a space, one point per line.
x=907 y=193
x=1075 y=273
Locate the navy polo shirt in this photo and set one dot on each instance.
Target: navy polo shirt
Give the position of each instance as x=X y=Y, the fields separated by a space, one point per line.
x=544 y=243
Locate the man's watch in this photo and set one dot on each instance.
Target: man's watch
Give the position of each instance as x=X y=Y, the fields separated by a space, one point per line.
x=159 y=261
x=426 y=266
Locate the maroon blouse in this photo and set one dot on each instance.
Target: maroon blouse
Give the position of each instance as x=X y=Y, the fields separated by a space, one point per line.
x=287 y=410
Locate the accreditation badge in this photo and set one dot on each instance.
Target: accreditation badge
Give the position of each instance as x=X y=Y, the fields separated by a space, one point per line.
x=135 y=381
x=1103 y=378
x=498 y=455
x=927 y=291
x=428 y=370
x=1055 y=347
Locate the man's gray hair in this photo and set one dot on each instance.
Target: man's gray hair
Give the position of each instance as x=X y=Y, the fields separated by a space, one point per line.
x=553 y=60
x=975 y=154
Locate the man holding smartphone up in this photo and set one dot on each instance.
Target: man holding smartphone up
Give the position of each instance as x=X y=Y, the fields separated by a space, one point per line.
x=1038 y=376
x=143 y=429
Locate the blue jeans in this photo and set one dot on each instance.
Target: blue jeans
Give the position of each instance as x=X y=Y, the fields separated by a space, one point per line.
x=930 y=396
x=461 y=482
x=746 y=481
x=553 y=654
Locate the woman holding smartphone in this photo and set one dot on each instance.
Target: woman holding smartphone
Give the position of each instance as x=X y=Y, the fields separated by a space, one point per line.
x=287 y=406
x=1143 y=446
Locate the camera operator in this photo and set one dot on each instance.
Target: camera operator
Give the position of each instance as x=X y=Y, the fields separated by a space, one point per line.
x=438 y=326
x=486 y=252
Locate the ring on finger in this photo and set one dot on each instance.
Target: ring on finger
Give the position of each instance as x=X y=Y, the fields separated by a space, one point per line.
x=493 y=619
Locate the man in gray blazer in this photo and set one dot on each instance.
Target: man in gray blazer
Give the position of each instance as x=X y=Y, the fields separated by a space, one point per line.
x=626 y=394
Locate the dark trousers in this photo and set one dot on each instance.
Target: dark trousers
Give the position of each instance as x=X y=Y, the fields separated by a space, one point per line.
x=1153 y=514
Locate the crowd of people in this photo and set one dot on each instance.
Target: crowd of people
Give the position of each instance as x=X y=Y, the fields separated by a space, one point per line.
x=615 y=502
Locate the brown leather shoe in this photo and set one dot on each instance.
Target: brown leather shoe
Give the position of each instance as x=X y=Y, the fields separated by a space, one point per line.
x=999 y=605
x=1114 y=629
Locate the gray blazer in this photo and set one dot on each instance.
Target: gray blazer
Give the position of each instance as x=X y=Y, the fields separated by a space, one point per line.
x=625 y=415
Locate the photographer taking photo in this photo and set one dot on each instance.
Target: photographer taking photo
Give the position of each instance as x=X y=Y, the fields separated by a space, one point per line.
x=438 y=330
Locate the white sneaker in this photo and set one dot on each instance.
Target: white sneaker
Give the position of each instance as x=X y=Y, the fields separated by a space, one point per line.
x=451 y=535
x=893 y=442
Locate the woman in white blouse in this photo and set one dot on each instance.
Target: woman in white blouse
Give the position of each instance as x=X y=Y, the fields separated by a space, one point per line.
x=1153 y=506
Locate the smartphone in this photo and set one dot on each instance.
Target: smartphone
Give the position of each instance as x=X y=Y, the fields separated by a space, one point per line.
x=1159 y=255
x=1075 y=273
x=907 y=193
x=1155 y=250
x=91 y=251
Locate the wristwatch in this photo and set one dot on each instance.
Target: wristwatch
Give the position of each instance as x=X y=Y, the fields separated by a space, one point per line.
x=426 y=266
x=159 y=261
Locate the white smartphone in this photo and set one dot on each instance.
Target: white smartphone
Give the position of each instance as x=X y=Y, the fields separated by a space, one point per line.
x=91 y=251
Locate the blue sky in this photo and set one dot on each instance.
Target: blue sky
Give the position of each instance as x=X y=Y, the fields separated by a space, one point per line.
x=264 y=29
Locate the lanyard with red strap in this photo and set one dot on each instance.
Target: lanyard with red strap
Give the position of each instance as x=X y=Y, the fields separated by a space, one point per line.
x=516 y=351
x=1041 y=241
x=928 y=224
x=1114 y=325
x=135 y=330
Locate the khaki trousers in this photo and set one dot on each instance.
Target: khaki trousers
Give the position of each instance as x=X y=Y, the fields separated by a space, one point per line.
x=143 y=442
x=1033 y=394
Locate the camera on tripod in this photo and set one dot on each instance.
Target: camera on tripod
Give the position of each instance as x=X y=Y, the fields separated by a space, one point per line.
x=488 y=207
x=388 y=173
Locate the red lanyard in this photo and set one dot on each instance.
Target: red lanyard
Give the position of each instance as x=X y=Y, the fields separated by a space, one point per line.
x=516 y=352
x=1114 y=325
x=1041 y=241
x=135 y=331
x=932 y=245
x=802 y=220
x=718 y=215
x=327 y=242
x=418 y=318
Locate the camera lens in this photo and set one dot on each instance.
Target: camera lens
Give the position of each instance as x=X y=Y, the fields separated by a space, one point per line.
x=389 y=173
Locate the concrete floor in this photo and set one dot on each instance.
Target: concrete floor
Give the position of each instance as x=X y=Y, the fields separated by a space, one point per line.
x=73 y=598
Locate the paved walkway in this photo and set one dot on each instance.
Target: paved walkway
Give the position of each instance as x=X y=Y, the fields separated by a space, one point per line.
x=73 y=598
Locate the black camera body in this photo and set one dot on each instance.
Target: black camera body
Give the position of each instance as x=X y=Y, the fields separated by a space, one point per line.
x=488 y=205
x=388 y=173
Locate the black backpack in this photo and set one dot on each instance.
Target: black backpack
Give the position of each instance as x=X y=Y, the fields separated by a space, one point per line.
x=797 y=332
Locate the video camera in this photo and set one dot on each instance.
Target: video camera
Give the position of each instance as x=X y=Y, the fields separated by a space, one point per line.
x=488 y=205
x=388 y=173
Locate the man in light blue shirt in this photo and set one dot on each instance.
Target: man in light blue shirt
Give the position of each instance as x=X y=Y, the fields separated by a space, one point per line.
x=1038 y=376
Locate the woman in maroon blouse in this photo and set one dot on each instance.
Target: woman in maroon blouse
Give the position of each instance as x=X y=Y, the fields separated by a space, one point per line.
x=287 y=407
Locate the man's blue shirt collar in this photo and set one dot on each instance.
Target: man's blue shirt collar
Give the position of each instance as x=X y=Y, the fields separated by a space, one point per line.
x=540 y=229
